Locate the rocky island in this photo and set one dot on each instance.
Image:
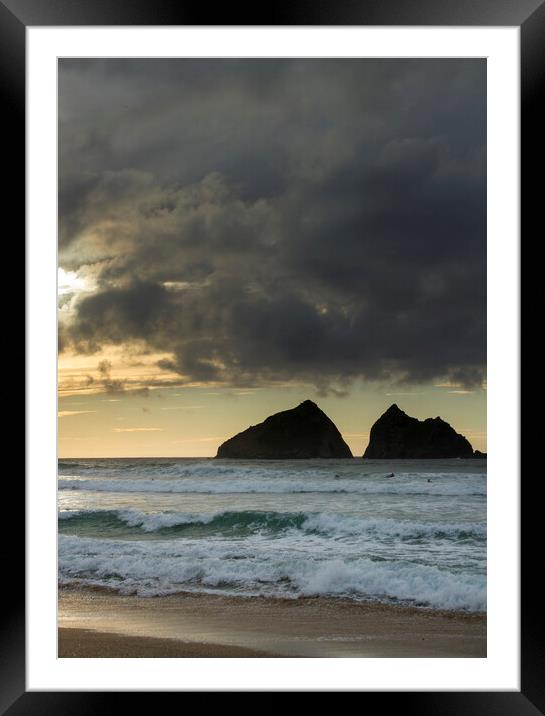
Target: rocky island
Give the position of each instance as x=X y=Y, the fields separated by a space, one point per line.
x=302 y=432
x=397 y=436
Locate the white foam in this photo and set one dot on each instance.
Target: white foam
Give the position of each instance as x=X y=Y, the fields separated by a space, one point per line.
x=257 y=566
x=147 y=521
x=326 y=523
x=271 y=486
x=153 y=522
x=341 y=525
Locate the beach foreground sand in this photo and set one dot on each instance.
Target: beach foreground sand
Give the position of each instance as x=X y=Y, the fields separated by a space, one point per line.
x=85 y=643
x=105 y=624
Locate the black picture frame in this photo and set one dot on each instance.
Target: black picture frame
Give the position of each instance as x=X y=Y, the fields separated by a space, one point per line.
x=529 y=15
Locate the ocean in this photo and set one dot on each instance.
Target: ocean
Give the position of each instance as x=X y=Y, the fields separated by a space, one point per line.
x=335 y=528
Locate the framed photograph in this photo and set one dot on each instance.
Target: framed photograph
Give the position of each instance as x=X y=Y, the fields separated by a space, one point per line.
x=272 y=348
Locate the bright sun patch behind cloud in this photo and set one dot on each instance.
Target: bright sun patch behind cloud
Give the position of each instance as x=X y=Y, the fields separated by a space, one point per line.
x=69 y=282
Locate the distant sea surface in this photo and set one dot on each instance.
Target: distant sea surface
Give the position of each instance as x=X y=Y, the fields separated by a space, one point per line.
x=337 y=528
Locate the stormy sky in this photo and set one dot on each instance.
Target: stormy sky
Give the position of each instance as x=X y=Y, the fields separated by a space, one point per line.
x=251 y=223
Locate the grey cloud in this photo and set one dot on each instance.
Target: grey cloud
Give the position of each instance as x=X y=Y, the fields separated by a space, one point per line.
x=110 y=385
x=273 y=220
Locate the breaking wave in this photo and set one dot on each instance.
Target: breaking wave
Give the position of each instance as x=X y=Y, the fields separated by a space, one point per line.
x=261 y=568
x=272 y=486
x=247 y=522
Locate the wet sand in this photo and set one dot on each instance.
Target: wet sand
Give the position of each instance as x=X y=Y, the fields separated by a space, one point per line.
x=105 y=624
x=84 y=643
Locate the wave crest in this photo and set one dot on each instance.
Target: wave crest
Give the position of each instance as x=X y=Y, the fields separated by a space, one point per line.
x=271 y=486
x=252 y=522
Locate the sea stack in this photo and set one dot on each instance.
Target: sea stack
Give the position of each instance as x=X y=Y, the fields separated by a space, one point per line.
x=397 y=436
x=300 y=433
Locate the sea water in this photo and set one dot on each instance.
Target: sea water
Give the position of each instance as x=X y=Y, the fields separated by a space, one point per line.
x=290 y=528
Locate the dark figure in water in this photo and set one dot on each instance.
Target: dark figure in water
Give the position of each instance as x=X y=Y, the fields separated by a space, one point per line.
x=429 y=480
x=390 y=475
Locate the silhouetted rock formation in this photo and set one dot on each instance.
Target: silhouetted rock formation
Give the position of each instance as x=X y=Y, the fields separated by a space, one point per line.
x=397 y=436
x=479 y=455
x=303 y=432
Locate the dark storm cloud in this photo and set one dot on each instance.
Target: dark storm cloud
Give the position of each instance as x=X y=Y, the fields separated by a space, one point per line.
x=268 y=220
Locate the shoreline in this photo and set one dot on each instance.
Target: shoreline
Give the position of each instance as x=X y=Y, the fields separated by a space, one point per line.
x=97 y=622
x=77 y=588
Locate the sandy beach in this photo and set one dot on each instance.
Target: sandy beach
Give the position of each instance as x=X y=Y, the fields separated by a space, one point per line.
x=105 y=624
x=85 y=643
